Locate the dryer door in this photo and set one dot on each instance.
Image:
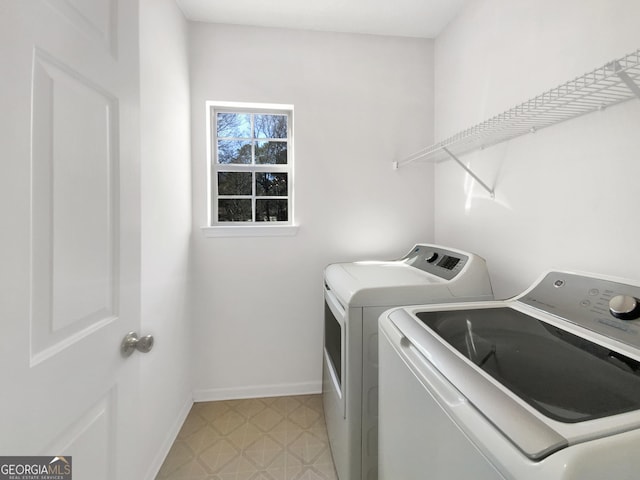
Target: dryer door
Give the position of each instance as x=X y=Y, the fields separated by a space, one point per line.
x=335 y=318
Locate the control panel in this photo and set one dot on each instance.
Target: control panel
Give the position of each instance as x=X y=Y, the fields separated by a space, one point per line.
x=436 y=261
x=609 y=308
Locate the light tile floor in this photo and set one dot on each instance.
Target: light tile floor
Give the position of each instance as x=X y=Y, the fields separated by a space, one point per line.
x=281 y=438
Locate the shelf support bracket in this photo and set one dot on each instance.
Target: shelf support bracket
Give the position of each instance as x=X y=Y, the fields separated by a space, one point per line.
x=468 y=170
x=628 y=81
x=624 y=76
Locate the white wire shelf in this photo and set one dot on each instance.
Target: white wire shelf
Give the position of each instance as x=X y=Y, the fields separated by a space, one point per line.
x=613 y=83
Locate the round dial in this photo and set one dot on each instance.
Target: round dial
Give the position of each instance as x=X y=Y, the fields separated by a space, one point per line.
x=624 y=307
x=431 y=257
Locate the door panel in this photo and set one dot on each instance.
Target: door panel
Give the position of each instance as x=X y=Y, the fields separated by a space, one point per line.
x=91 y=439
x=69 y=249
x=75 y=278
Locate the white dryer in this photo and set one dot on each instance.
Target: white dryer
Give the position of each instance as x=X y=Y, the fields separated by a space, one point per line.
x=356 y=294
x=545 y=385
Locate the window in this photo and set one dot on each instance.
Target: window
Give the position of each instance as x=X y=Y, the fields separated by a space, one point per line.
x=251 y=160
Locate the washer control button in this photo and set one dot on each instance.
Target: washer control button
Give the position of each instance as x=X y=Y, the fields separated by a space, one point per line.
x=624 y=307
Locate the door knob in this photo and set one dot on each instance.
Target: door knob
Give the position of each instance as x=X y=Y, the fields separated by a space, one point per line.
x=131 y=342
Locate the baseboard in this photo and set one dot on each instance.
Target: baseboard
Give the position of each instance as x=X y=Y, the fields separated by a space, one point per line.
x=154 y=468
x=257 y=391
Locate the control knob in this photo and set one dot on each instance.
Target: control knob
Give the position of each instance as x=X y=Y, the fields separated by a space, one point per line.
x=431 y=257
x=624 y=307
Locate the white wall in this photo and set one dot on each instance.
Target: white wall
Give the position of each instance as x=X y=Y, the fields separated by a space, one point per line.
x=166 y=225
x=360 y=102
x=567 y=196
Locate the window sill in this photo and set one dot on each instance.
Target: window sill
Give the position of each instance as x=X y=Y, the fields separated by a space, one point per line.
x=251 y=231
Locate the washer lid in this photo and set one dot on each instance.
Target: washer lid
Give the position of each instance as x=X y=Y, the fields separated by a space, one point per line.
x=532 y=435
x=564 y=376
x=543 y=386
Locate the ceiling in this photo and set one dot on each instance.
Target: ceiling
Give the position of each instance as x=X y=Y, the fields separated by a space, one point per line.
x=407 y=18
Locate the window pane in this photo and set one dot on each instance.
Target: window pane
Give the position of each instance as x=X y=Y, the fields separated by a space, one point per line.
x=251 y=164
x=234 y=183
x=271 y=210
x=234 y=125
x=271 y=184
x=274 y=153
x=234 y=210
x=270 y=126
x=234 y=151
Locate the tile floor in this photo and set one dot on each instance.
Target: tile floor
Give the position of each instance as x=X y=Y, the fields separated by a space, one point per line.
x=281 y=438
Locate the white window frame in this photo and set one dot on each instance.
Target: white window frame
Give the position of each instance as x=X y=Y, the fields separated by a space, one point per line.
x=213 y=228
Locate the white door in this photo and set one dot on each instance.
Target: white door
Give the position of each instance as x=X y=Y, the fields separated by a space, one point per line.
x=69 y=241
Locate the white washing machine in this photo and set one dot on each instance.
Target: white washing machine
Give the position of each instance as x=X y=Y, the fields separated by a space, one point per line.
x=545 y=385
x=356 y=294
